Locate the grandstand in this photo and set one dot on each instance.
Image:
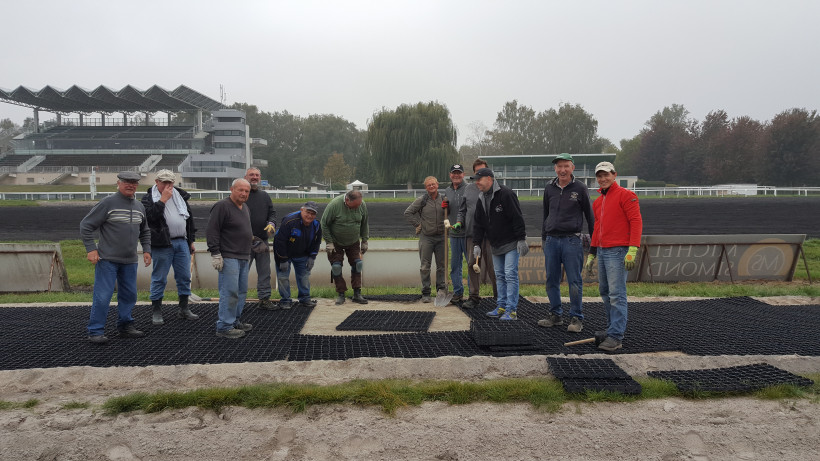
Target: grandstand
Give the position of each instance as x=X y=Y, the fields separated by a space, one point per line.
x=114 y=131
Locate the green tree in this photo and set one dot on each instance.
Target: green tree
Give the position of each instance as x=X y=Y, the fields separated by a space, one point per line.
x=322 y=136
x=337 y=172
x=792 y=149
x=735 y=157
x=517 y=131
x=412 y=142
x=570 y=129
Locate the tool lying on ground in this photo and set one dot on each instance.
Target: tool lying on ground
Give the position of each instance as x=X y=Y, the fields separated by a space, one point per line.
x=443 y=297
x=600 y=336
x=476 y=268
x=197 y=299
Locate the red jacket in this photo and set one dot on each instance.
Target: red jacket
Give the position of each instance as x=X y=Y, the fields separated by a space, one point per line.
x=618 y=221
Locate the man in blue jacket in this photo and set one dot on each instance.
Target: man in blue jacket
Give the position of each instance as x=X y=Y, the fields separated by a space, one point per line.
x=297 y=242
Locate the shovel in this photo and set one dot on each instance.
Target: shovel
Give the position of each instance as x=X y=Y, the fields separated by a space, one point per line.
x=443 y=298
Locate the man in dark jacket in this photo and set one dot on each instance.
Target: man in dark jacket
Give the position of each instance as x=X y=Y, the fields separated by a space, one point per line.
x=566 y=204
x=172 y=241
x=498 y=218
x=297 y=242
x=263 y=219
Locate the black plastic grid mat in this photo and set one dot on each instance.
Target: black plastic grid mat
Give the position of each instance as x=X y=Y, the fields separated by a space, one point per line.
x=489 y=332
x=362 y=320
x=731 y=379
x=563 y=367
x=55 y=336
x=395 y=298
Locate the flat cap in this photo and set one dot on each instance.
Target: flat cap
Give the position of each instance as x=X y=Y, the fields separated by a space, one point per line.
x=130 y=176
x=312 y=206
x=166 y=176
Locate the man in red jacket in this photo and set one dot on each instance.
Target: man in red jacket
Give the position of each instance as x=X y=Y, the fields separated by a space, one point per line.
x=615 y=241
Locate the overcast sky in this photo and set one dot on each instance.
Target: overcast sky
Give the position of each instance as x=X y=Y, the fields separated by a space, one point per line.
x=621 y=60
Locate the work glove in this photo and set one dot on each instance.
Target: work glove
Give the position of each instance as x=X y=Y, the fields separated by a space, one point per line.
x=270 y=228
x=589 y=264
x=329 y=247
x=476 y=251
x=629 y=259
x=283 y=266
x=364 y=246
x=457 y=226
x=258 y=245
x=445 y=204
x=216 y=261
x=447 y=223
x=310 y=262
x=523 y=248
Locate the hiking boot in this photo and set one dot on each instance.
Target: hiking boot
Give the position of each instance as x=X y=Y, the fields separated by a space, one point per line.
x=340 y=299
x=233 y=333
x=575 y=325
x=98 y=339
x=129 y=331
x=426 y=299
x=267 y=305
x=610 y=344
x=470 y=303
x=309 y=303
x=184 y=311
x=552 y=321
x=510 y=315
x=457 y=302
x=243 y=326
x=284 y=304
x=156 y=312
x=358 y=298
x=499 y=311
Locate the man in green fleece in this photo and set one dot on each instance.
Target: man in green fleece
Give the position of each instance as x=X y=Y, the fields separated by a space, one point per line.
x=344 y=224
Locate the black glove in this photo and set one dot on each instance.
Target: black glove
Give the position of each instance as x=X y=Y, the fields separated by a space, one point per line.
x=310 y=263
x=283 y=266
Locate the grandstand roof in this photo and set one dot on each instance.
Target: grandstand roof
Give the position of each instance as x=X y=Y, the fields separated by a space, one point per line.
x=106 y=100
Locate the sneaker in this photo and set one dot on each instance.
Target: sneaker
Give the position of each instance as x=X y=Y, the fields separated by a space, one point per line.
x=233 y=333
x=511 y=315
x=307 y=303
x=497 y=312
x=98 y=339
x=575 y=325
x=340 y=299
x=243 y=326
x=267 y=305
x=426 y=299
x=358 y=298
x=130 y=332
x=470 y=303
x=610 y=344
x=284 y=304
x=551 y=321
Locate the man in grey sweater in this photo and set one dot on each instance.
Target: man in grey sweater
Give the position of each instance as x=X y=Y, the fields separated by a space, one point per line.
x=120 y=221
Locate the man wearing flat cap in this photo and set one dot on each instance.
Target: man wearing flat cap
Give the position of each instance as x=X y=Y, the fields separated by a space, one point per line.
x=297 y=242
x=120 y=221
x=172 y=242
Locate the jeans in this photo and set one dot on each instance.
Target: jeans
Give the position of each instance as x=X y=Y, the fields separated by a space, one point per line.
x=506 y=277
x=233 y=289
x=458 y=248
x=430 y=245
x=612 y=286
x=177 y=255
x=302 y=280
x=568 y=251
x=106 y=274
x=262 y=260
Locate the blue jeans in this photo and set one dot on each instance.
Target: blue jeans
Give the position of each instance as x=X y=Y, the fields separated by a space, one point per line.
x=458 y=248
x=106 y=274
x=262 y=260
x=506 y=277
x=177 y=255
x=233 y=289
x=612 y=286
x=568 y=251
x=302 y=280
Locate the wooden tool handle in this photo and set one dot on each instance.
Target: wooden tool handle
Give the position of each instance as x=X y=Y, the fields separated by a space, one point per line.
x=582 y=341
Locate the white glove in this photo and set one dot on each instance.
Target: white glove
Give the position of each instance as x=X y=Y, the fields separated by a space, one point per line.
x=216 y=261
x=329 y=247
x=523 y=248
x=447 y=224
x=476 y=251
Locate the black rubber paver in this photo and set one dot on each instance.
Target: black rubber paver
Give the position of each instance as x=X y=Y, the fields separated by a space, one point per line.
x=563 y=367
x=731 y=379
x=361 y=320
x=44 y=337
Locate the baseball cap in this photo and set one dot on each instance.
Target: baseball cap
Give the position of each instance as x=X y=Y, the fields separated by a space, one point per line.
x=605 y=166
x=166 y=175
x=482 y=172
x=563 y=156
x=457 y=167
x=312 y=206
x=129 y=176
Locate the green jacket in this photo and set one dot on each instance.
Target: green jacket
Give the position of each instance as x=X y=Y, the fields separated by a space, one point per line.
x=343 y=226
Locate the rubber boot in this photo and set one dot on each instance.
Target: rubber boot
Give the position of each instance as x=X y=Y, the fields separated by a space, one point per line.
x=357 y=296
x=156 y=314
x=184 y=311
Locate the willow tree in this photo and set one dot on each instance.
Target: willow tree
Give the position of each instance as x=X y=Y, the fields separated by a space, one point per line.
x=412 y=142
